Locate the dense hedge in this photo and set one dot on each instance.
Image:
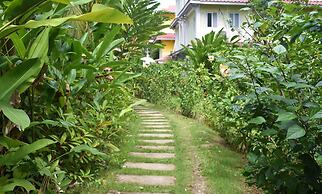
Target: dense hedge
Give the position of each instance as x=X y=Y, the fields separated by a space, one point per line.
x=264 y=97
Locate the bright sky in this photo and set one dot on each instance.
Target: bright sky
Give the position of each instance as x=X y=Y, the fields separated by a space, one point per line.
x=167 y=3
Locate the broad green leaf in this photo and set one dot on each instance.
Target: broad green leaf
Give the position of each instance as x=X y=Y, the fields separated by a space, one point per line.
x=61 y=1
x=45 y=122
x=8 y=142
x=17 y=116
x=17 y=76
x=279 y=49
x=269 y=132
x=318 y=115
x=80 y=2
x=100 y=13
x=19 y=45
x=130 y=108
x=295 y=132
x=319 y=84
x=102 y=48
x=13 y=158
x=252 y=157
x=40 y=46
x=13 y=183
x=87 y=148
x=258 y=120
x=286 y=116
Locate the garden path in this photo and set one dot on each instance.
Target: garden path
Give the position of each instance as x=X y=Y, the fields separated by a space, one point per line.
x=155 y=144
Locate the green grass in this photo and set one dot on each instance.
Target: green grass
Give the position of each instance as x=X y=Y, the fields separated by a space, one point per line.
x=220 y=166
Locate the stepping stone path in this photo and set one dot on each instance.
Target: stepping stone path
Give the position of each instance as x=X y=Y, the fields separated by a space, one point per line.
x=155 y=141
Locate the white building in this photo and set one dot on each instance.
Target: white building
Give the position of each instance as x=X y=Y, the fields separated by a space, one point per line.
x=196 y=18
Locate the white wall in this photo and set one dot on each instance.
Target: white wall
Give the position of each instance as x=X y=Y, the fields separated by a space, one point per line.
x=179 y=5
x=190 y=28
x=194 y=25
x=177 y=40
x=223 y=12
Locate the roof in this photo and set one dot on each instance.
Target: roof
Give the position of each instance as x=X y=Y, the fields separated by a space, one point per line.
x=168 y=36
x=311 y=2
x=171 y=8
x=226 y=1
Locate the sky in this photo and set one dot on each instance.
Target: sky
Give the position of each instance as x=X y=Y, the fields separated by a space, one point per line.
x=167 y=3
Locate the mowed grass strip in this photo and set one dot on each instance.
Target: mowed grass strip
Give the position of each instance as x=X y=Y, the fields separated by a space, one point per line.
x=221 y=166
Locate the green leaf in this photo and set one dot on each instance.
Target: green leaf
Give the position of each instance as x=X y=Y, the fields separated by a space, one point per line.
x=9 y=143
x=279 y=49
x=13 y=158
x=19 y=7
x=80 y=2
x=319 y=84
x=87 y=148
x=286 y=116
x=101 y=49
x=99 y=13
x=17 y=76
x=252 y=157
x=295 y=132
x=318 y=115
x=130 y=108
x=40 y=46
x=19 y=45
x=61 y=1
x=113 y=147
x=17 y=183
x=258 y=120
x=17 y=116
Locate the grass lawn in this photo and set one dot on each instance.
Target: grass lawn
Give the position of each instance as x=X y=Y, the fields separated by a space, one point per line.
x=197 y=148
x=220 y=166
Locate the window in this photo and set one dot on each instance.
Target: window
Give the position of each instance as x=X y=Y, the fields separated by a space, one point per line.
x=234 y=20
x=212 y=20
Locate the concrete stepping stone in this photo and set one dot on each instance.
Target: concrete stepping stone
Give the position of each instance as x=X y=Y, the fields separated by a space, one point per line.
x=158 y=141
x=148 y=112
x=156 y=131
x=152 y=117
x=154 y=120
x=147 y=180
x=150 y=166
x=157 y=126
x=156 y=147
x=153 y=155
x=160 y=135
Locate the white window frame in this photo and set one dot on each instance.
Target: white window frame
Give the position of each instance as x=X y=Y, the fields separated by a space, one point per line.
x=232 y=20
x=214 y=19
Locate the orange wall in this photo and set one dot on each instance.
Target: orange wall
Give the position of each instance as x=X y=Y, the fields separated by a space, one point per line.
x=167 y=49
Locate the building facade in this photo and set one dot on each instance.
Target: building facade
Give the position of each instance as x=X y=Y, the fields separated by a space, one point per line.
x=196 y=18
x=168 y=37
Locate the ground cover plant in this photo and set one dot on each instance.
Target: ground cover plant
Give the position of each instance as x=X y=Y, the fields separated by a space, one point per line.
x=264 y=97
x=64 y=96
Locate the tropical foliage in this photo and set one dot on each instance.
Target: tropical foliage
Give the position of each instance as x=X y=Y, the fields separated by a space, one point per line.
x=64 y=97
x=264 y=97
